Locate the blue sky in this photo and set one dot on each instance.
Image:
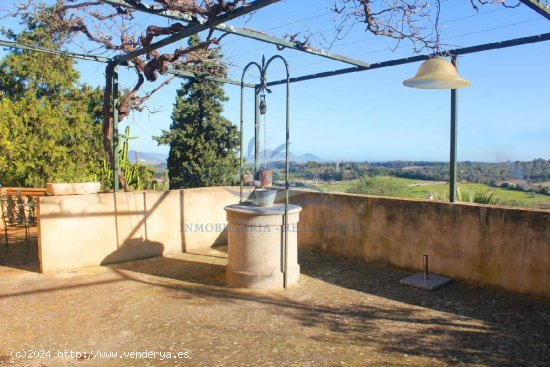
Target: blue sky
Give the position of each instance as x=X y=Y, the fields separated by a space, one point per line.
x=370 y=115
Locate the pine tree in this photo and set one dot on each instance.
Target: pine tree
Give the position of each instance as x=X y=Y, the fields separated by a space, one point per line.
x=202 y=142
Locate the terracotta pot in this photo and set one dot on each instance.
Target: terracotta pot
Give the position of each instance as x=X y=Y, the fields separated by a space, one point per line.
x=81 y=188
x=266 y=178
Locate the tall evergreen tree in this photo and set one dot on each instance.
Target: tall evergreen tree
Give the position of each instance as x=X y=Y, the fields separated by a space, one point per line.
x=202 y=142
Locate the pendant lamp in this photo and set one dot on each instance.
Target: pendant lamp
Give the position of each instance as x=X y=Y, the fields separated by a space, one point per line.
x=436 y=73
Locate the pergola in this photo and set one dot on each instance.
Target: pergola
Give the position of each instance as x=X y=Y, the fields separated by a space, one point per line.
x=198 y=25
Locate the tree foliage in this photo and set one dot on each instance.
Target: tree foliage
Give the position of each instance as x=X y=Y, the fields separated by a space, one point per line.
x=380 y=186
x=202 y=141
x=534 y=171
x=50 y=124
x=69 y=20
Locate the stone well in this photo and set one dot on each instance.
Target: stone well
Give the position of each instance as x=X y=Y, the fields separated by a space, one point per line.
x=256 y=246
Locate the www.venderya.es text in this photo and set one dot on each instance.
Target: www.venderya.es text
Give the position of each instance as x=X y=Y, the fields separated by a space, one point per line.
x=97 y=354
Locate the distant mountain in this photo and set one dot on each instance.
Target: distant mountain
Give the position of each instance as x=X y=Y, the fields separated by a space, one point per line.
x=310 y=157
x=159 y=159
x=152 y=159
x=280 y=156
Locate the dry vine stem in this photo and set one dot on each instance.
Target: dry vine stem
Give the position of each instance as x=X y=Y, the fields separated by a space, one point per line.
x=110 y=29
x=70 y=18
x=414 y=20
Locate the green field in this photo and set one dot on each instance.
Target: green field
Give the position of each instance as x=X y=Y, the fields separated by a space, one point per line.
x=505 y=194
x=421 y=189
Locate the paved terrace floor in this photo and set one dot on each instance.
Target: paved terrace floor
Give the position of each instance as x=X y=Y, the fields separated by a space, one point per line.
x=340 y=314
x=17 y=256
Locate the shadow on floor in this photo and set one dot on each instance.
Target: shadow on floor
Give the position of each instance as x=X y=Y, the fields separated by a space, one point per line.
x=349 y=306
x=219 y=251
x=513 y=327
x=458 y=324
x=179 y=269
x=383 y=281
x=134 y=248
x=15 y=254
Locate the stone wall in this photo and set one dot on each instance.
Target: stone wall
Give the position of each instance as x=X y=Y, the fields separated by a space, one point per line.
x=85 y=230
x=485 y=245
x=205 y=217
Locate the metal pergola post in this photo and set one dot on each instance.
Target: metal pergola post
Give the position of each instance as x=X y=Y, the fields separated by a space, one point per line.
x=115 y=105
x=453 y=145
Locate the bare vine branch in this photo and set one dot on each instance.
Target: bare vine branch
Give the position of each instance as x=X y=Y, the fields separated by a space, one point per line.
x=414 y=20
x=105 y=28
x=109 y=29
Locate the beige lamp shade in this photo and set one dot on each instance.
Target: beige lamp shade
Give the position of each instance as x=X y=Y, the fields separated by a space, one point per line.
x=436 y=73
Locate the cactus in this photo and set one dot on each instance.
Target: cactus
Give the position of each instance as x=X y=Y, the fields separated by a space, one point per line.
x=132 y=172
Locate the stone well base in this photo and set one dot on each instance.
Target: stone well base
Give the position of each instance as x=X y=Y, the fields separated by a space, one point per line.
x=256 y=246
